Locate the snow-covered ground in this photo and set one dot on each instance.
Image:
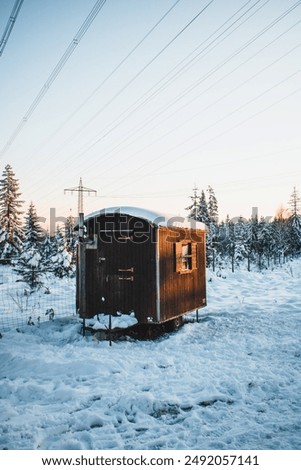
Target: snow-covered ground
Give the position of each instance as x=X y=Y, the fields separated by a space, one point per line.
x=231 y=381
x=18 y=305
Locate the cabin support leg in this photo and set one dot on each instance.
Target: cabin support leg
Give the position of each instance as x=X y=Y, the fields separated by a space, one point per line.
x=197 y=315
x=84 y=326
x=110 y=330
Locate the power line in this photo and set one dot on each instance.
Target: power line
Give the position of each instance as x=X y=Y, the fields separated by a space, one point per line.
x=224 y=132
x=240 y=123
x=297 y=3
x=202 y=53
x=70 y=49
x=94 y=142
x=183 y=94
x=145 y=67
x=183 y=191
x=228 y=59
x=148 y=64
x=116 y=68
x=229 y=162
x=212 y=85
x=213 y=104
x=213 y=70
x=10 y=24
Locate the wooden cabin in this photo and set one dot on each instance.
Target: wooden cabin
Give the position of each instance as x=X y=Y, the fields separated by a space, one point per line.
x=135 y=260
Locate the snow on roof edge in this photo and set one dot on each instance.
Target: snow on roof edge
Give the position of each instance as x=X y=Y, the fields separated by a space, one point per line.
x=155 y=218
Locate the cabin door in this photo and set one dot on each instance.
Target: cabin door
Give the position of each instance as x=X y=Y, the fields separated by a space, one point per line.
x=117 y=275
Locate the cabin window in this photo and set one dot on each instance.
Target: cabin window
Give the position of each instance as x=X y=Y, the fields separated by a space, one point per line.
x=185 y=256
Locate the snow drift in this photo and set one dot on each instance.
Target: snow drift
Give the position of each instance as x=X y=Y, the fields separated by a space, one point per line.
x=231 y=381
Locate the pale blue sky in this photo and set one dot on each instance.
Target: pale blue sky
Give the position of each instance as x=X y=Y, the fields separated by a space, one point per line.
x=230 y=119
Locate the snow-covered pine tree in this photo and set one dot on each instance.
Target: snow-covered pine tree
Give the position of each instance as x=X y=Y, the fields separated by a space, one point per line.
x=293 y=224
x=226 y=241
x=280 y=235
x=71 y=239
x=231 y=246
x=61 y=260
x=279 y=238
x=48 y=249
x=212 y=205
x=248 y=240
x=11 y=235
x=223 y=234
x=214 y=242
x=194 y=207
x=295 y=202
x=266 y=244
x=29 y=264
x=198 y=210
x=202 y=214
x=240 y=241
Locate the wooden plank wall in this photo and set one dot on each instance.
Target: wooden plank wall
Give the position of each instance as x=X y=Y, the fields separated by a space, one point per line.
x=186 y=291
x=106 y=266
x=179 y=292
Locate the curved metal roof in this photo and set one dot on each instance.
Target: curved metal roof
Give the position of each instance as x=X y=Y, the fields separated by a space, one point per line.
x=156 y=219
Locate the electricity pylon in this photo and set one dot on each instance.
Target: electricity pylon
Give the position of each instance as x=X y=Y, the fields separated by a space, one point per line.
x=81 y=190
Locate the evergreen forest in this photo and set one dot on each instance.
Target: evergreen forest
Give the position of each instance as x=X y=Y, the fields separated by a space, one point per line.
x=253 y=244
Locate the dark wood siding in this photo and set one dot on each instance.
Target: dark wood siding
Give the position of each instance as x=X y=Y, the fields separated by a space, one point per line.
x=181 y=291
x=121 y=272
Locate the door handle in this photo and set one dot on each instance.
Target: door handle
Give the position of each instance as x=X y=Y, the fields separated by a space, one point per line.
x=131 y=278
